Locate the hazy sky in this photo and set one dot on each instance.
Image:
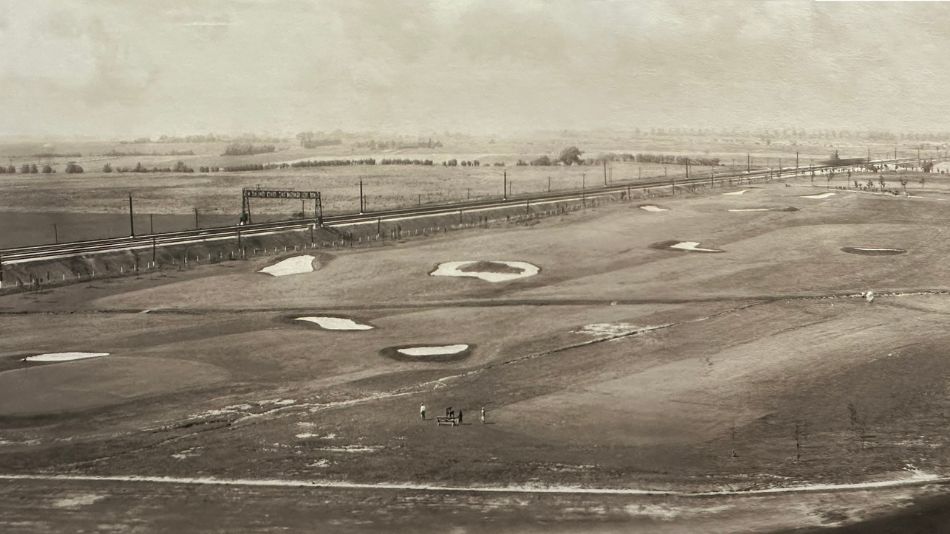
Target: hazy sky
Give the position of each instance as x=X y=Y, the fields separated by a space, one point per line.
x=117 y=68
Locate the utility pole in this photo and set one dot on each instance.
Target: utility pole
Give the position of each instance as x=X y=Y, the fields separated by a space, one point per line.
x=505 y=195
x=780 y=167
x=131 y=218
x=549 y=184
x=151 y=223
x=796 y=164
x=196 y=219
x=55 y=234
x=605 y=168
x=748 y=163
x=361 y=195
x=584 y=188
x=687 y=169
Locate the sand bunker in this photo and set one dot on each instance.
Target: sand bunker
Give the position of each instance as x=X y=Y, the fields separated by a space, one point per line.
x=736 y=192
x=335 y=323
x=295 y=265
x=490 y=271
x=818 y=196
x=650 y=207
x=439 y=350
x=429 y=353
x=64 y=356
x=688 y=246
x=872 y=251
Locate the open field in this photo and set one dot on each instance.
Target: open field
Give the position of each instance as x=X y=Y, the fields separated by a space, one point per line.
x=618 y=367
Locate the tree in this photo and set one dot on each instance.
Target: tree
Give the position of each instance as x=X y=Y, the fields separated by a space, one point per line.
x=25 y=168
x=73 y=168
x=570 y=156
x=107 y=168
x=47 y=169
x=34 y=169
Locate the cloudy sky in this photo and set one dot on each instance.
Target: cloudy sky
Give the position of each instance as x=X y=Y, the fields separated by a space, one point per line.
x=116 y=68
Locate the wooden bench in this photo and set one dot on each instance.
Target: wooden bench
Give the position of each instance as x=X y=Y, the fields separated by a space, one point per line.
x=444 y=420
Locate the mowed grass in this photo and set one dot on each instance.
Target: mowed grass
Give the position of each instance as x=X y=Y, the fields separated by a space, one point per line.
x=757 y=363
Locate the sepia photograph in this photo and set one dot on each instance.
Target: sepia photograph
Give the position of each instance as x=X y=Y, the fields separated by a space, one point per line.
x=475 y=266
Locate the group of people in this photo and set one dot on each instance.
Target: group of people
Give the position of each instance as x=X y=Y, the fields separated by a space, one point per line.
x=450 y=412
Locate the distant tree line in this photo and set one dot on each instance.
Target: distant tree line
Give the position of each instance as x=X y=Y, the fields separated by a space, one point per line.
x=398 y=161
x=207 y=138
x=179 y=167
x=456 y=163
x=312 y=140
x=373 y=144
x=116 y=153
x=247 y=149
x=56 y=155
x=333 y=162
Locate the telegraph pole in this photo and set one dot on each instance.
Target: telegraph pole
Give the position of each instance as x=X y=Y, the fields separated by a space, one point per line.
x=196 y=219
x=505 y=194
x=748 y=163
x=361 y=195
x=131 y=218
x=605 y=168
x=796 y=164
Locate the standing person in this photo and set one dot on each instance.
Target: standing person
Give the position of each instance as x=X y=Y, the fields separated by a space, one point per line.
x=422 y=411
x=460 y=416
x=483 y=415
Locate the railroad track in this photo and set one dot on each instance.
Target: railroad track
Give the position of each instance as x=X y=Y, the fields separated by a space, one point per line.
x=19 y=255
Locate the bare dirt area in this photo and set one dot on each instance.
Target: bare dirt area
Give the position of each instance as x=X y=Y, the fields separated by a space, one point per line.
x=624 y=387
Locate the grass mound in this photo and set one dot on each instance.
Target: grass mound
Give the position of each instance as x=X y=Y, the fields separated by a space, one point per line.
x=490 y=267
x=873 y=251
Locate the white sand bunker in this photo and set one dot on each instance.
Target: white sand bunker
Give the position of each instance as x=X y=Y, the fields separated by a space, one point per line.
x=335 y=323
x=819 y=196
x=64 y=356
x=429 y=353
x=436 y=350
x=737 y=192
x=295 y=265
x=650 y=207
x=692 y=246
x=490 y=271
